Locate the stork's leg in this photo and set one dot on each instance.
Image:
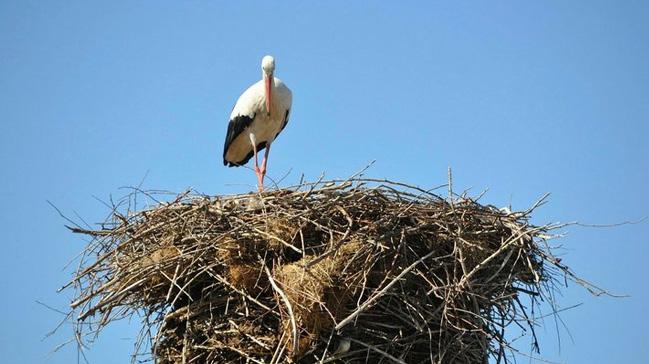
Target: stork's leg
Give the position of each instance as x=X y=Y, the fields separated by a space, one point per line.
x=263 y=164
x=260 y=177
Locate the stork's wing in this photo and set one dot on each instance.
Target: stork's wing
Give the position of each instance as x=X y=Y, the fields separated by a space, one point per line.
x=236 y=126
x=284 y=124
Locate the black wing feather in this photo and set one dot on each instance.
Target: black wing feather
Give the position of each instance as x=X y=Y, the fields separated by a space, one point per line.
x=285 y=122
x=236 y=126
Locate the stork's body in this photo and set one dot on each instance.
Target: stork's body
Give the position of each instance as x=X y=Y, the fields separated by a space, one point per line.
x=259 y=115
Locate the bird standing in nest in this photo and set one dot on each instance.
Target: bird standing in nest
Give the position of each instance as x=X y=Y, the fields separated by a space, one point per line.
x=257 y=118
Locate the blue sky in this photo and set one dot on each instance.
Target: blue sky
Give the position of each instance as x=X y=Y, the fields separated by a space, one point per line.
x=520 y=98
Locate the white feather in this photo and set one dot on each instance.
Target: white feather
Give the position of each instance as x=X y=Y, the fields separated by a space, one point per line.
x=252 y=103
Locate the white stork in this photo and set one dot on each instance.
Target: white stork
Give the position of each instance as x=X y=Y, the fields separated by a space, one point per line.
x=259 y=115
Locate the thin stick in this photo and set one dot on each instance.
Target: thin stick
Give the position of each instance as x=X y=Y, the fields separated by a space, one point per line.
x=289 y=307
x=380 y=293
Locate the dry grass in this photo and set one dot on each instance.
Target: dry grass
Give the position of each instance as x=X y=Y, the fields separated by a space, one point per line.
x=355 y=271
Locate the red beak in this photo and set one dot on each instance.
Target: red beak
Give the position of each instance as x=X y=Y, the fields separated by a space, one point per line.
x=269 y=96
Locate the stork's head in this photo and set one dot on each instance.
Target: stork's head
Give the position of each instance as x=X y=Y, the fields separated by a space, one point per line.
x=268 y=67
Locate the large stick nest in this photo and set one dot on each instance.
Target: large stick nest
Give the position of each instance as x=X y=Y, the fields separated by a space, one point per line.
x=358 y=271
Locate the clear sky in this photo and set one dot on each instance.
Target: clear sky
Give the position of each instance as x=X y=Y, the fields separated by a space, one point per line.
x=520 y=98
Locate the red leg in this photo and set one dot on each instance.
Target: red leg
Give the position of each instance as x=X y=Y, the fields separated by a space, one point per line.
x=260 y=177
x=263 y=164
